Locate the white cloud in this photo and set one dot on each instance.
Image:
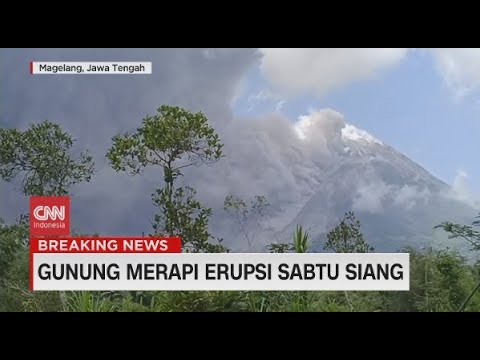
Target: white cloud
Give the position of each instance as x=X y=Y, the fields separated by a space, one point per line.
x=409 y=196
x=324 y=123
x=296 y=71
x=460 y=69
x=370 y=197
x=460 y=186
x=322 y=70
x=460 y=182
x=461 y=190
x=321 y=133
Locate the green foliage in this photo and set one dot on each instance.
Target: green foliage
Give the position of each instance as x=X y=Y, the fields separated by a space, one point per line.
x=472 y=236
x=300 y=240
x=170 y=135
x=182 y=215
x=300 y=243
x=87 y=301
x=465 y=232
x=440 y=281
x=42 y=154
x=280 y=248
x=14 y=293
x=172 y=139
x=246 y=216
x=346 y=237
x=277 y=301
x=196 y=301
x=12 y=239
x=129 y=303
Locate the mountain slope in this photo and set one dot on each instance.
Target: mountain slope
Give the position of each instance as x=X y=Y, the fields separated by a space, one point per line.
x=330 y=168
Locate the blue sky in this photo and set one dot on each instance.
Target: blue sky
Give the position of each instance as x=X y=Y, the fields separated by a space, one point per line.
x=415 y=103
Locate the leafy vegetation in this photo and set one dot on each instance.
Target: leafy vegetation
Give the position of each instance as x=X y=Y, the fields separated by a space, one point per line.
x=173 y=139
x=441 y=280
x=43 y=155
x=346 y=237
x=468 y=233
x=246 y=216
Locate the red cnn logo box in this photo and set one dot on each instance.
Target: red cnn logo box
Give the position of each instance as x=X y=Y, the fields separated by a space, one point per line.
x=49 y=216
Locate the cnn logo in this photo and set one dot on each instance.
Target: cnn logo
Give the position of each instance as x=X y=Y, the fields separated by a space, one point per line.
x=49 y=216
x=43 y=213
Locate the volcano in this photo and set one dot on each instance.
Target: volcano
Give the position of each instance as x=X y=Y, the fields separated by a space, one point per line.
x=319 y=167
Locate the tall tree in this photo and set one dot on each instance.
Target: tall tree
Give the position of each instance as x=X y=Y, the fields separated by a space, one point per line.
x=12 y=238
x=346 y=237
x=172 y=140
x=470 y=234
x=246 y=216
x=43 y=156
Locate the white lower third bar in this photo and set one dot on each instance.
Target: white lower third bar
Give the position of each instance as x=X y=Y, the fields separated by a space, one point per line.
x=187 y=271
x=90 y=68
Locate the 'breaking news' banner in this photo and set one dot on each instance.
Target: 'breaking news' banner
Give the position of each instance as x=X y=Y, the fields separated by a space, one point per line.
x=153 y=264
x=81 y=251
